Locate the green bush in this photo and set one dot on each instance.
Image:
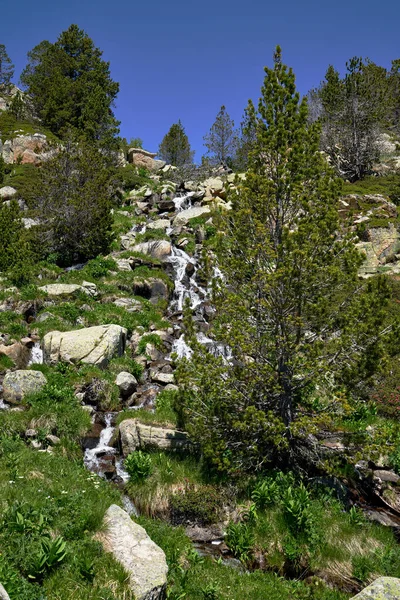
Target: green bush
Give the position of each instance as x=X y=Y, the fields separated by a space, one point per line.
x=138 y=465
x=199 y=504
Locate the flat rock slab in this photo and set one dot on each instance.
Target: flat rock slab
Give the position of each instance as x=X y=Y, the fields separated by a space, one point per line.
x=184 y=217
x=17 y=384
x=138 y=436
x=68 y=290
x=92 y=345
x=138 y=554
x=384 y=588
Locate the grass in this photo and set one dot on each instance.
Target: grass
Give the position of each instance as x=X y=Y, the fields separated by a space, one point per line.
x=193 y=577
x=386 y=185
x=163 y=415
x=54 y=495
x=170 y=473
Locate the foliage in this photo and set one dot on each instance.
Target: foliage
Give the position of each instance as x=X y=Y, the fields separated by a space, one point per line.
x=6 y=68
x=221 y=139
x=175 y=147
x=240 y=540
x=132 y=179
x=290 y=306
x=138 y=465
x=351 y=110
x=73 y=203
x=71 y=87
x=2 y=171
x=198 y=504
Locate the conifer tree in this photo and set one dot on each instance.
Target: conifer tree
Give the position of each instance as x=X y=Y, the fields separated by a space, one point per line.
x=290 y=307
x=6 y=68
x=73 y=202
x=175 y=147
x=221 y=140
x=71 y=87
x=353 y=108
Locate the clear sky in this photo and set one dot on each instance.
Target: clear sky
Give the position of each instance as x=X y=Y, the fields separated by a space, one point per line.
x=179 y=59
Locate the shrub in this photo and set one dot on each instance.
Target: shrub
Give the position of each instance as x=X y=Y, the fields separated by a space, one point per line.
x=138 y=465
x=201 y=505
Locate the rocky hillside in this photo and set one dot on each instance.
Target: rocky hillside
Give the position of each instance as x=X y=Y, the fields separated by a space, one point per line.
x=90 y=424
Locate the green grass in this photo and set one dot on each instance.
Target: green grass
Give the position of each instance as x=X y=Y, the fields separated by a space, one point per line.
x=170 y=472
x=192 y=577
x=54 y=495
x=163 y=415
x=9 y=125
x=385 y=185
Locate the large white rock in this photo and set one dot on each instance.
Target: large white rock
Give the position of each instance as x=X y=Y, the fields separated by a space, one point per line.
x=67 y=290
x=92 y=345
x=383 y=588
x=138 y=554
x=157 y=248
x=135 y=435
x=184 y=217
x=17 y=384
x=3 y=593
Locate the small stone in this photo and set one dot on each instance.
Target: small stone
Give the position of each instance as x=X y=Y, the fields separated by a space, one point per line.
x=53 y=440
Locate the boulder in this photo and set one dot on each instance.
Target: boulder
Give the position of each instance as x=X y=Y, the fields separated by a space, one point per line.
x=7 y=192
x=135 y=435
x=3 y=593
x=156 y=248
x=17 y=384
x=126 y=383
x=68 y=290
x=92 y=345
x=17 y=352
x=153 y=289
x=383 y=588
x=159 y=224
x=144 y=159
x=183 y=217
x=138 y=554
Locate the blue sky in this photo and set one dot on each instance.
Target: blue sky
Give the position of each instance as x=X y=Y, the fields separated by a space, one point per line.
x=177 y=59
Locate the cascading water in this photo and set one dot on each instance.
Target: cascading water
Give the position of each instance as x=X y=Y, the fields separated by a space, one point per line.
x=36 y=357
x=92 y=456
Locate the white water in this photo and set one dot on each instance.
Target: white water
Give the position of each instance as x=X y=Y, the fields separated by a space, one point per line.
x=183 y=202
x=36 y=355
x=91 y=457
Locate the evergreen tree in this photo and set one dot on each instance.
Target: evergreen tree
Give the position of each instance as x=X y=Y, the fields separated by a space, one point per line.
x=247 y=138
x=175 y=147
x=290 y=308
x=221 y=141
x=6 y=68
x=17 y=107
x=353 y=109
x=73 y=203
x=71 y=87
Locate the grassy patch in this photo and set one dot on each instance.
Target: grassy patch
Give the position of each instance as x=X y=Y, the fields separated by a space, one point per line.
x=47 y=497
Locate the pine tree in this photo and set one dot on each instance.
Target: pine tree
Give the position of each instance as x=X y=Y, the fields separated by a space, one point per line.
x=289 y=307
x=221 y=141
x=73 y=202
x=175 y=148
x=247 y=138
x=6 y=68
x=71 y=87
x=353 y=109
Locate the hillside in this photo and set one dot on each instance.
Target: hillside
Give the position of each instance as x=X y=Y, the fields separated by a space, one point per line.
x=198 y=363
